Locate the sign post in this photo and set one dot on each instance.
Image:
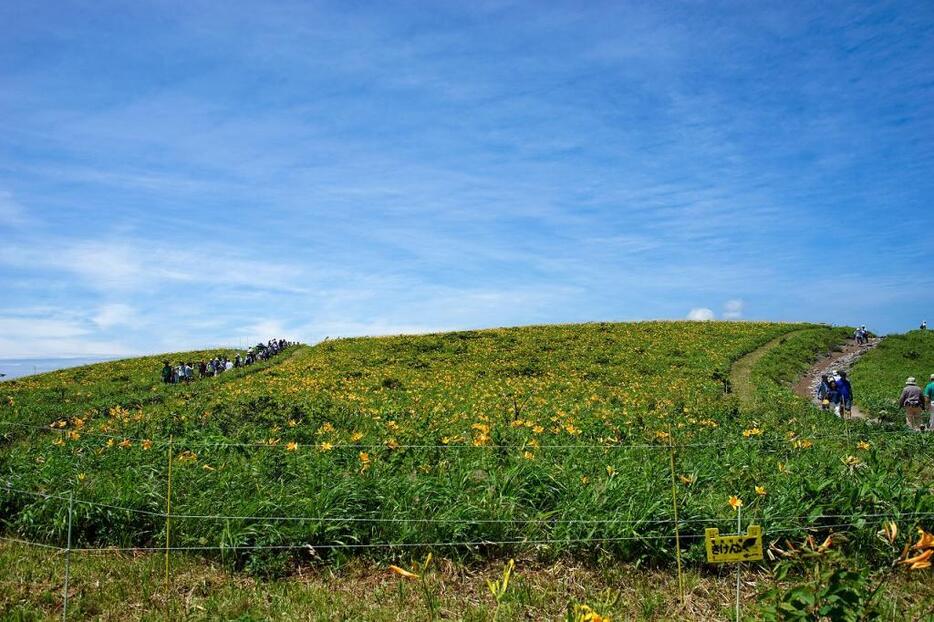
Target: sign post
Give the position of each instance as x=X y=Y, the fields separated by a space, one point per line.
x=734 y=549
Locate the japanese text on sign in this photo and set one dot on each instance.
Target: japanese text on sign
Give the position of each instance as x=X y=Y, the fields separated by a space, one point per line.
x=734 y=548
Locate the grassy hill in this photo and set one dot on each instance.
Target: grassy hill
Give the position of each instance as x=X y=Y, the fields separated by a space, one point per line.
x=881 y=373
x=550 y=442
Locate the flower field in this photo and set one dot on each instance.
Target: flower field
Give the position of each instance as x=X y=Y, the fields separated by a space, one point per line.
x=553 y=441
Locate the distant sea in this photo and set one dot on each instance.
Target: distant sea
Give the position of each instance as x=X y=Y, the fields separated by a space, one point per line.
x=17 y=368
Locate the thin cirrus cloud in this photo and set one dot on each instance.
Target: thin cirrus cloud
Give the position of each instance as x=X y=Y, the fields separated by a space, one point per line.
x=336 y=168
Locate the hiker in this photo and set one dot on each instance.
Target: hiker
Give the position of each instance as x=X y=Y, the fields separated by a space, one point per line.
x=846 y=395
x=912 y=400
x=833 y=395
x=924 y=325
x=823 y=392
x=166 y=372
x=929 y=395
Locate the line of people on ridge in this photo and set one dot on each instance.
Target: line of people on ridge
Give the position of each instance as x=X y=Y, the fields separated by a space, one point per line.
x=185 y=372
x=861 y=335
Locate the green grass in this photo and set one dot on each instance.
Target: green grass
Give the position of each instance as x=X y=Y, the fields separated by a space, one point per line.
x=117 y=587
x=880 y=374
x=482 y=436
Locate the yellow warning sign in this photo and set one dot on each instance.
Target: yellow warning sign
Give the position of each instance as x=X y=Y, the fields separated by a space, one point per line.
x=734 y=548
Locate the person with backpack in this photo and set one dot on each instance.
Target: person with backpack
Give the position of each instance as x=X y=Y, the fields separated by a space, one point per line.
x=833 y=395
x=166 y=372
x=846 y=395
x=912 y=400
x=823 y=391
x=929 y=395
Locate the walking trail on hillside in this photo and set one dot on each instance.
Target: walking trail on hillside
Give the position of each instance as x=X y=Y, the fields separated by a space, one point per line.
x=741 y=372
x=806 y=386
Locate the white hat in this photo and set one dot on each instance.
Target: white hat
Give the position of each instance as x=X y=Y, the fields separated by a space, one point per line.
x=911 y=380
x=932 y=376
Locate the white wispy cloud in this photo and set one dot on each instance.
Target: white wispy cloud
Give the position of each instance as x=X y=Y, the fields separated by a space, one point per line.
x=700 y=314
x=733 y=309
x=121 y=265
x=115 y=314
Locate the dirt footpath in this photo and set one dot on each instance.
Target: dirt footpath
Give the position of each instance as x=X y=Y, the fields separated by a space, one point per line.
x=806 y=386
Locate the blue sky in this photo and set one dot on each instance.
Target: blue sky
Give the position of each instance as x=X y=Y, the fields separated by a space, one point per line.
x=174 y=175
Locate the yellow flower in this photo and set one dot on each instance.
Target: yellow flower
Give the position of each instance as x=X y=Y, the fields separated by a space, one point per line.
x=863 y=445
x=538 y=429
x=889 y=532
x=752 y=432
x=919 y=561
x=760 y=490
x=207 y=467
x=364 y=460
x=147 y=444
x=687 y=480
x=392 y=444
x=356 y=436
x=925 y=541
x=585 y=480
x=292 y=423
x=325 y=447
x=82 y=477
x=610 y=470
x=852 y=461
x=735 y=502
x=125 y=443
x=110 y=442
x=74 y=435
x=662 y=436
x=528 y=455
x=292 y=446
x=402 y=572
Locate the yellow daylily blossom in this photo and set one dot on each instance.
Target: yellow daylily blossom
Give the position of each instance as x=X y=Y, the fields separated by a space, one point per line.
x=292 y=446
x=925 y=540
x=760 y=490
x=735 y=502
x=402 y=572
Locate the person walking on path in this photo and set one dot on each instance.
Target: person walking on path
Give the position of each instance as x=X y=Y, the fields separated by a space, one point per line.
x=912 y=400
x=166 y=372
x=833 y=395
x=823 y=392
x=929 y=396
x=846 y=395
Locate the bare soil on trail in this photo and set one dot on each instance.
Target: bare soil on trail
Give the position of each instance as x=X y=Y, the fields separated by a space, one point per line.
x=843 y=360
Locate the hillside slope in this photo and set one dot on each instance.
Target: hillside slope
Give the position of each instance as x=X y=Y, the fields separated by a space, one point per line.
x=881 y=374
x=500 y=436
